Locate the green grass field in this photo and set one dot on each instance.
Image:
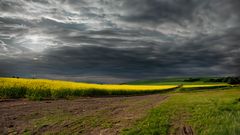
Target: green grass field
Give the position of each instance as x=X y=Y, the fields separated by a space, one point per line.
x=208 y=112
x=172 y=81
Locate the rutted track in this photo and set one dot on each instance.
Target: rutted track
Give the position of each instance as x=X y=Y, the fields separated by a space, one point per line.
x=87 y=115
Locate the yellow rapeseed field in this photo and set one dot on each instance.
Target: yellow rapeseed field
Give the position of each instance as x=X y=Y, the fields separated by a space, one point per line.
x=38 y=89
x=57 y=85
x=43 y=88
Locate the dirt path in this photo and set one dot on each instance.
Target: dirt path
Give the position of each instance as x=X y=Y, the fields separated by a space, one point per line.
x=179 y=125
x=88 y=115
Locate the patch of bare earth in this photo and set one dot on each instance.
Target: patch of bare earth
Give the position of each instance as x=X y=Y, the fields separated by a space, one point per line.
x=179 y=126
x=85 y=115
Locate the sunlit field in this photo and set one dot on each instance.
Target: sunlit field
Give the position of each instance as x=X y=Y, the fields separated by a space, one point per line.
x=42 y=88
x=209 y=85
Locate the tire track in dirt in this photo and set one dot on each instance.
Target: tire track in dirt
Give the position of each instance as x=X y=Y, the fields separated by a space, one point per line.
x=179 y=126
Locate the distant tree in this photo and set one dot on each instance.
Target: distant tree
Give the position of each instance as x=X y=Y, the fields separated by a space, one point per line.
x=234 y=80
x=230 y=80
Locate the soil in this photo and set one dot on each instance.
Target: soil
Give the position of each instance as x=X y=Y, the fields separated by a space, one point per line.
x=179 y=126
x=85 y=115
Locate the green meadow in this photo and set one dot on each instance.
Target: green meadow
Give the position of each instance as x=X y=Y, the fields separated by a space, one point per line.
x=206 y=112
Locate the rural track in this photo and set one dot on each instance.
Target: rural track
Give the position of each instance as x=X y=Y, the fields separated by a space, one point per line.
x=121 y=112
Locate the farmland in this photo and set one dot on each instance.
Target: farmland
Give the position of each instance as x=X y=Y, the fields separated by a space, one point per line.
x=209 y=112
x=166 y=108
x=38 y=89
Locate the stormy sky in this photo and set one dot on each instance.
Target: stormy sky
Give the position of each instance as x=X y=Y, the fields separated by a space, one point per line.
x=119 y=40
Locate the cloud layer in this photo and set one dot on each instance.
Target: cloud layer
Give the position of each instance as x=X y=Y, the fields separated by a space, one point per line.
x=111 y=40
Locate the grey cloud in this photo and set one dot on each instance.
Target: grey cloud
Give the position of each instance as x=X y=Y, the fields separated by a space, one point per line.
x=127 y=63
x=125 y=39
x=10 y=6
x=158 y=11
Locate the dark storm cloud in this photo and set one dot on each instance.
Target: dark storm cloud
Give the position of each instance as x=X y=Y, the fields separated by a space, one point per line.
x=135 y=62
x=158 y=11
x=126 y=39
